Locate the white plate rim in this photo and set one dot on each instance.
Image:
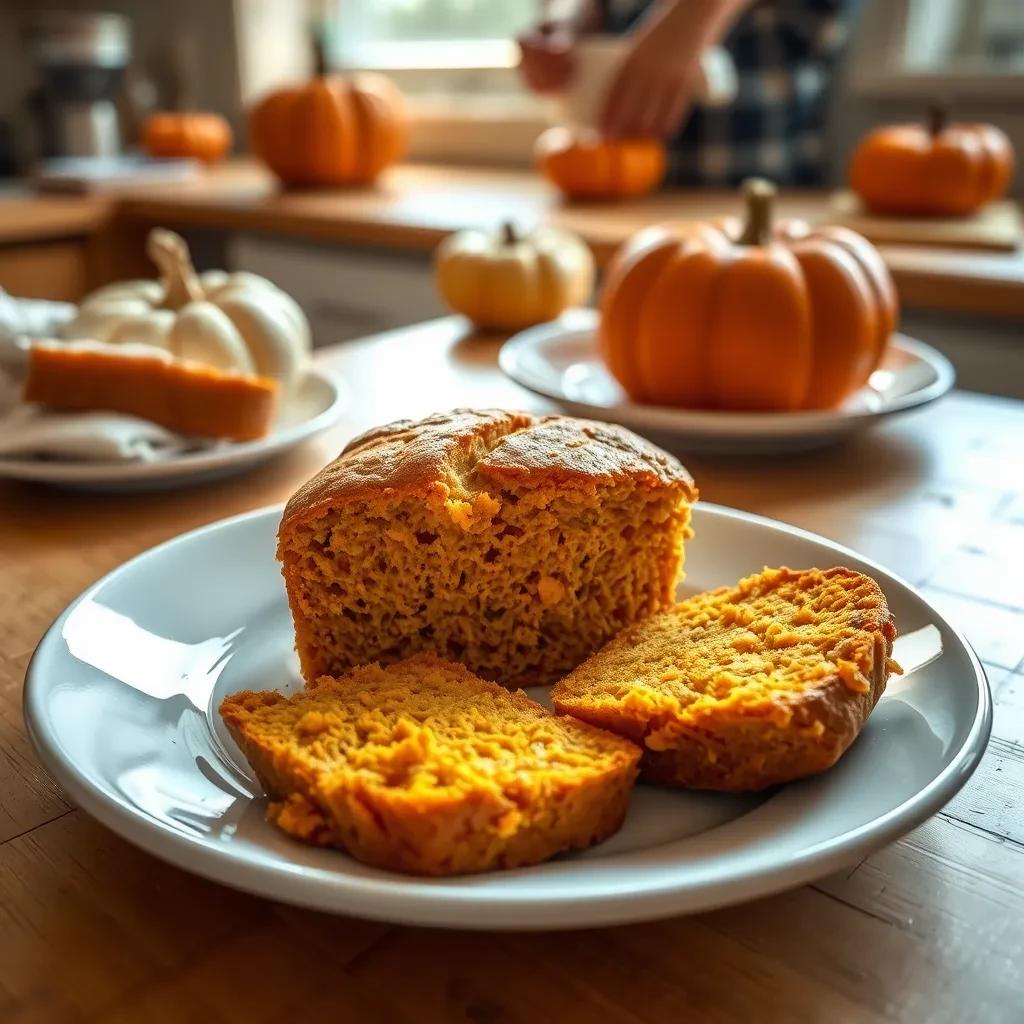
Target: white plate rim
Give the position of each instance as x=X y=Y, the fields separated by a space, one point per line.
x=413 y=902
x=190 y=463
x=578 y=322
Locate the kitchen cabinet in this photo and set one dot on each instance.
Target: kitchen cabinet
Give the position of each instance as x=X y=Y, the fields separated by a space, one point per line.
x=45 y=270
x=347 y=292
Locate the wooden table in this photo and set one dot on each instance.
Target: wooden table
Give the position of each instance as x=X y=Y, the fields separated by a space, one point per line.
x=930 y=928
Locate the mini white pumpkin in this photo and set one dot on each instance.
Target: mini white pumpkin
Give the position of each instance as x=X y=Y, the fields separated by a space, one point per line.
x=508 y=281
x=230 y=321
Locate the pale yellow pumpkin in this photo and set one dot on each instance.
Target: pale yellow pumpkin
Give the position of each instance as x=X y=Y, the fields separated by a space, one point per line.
x=506 y=281
x=230 y=321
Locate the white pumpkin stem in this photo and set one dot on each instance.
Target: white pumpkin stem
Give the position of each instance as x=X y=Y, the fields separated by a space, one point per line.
x=509 y=235
x=759 y=194
x=169 y=251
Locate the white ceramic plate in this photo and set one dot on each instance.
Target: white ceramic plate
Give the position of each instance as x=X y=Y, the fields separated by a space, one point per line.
x=121 y=695
x=315 y=404
x=560 y=361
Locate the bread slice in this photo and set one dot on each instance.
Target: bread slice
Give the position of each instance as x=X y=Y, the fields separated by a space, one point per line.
x=516 y=545
x=747 y=686
x=424 y=768
x=145 y=381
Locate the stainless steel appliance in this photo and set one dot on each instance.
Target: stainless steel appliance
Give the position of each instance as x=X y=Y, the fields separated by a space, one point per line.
x=81 y=58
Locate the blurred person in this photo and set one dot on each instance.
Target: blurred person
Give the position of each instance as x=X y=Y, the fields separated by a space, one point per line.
x=785 y=53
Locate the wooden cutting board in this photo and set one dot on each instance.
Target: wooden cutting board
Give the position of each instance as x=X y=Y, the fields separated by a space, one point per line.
x=997 y=226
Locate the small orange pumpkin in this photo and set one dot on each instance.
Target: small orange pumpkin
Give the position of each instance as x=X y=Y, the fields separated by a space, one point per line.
x=710 y=316
x=195 y=134
x=334 y=130
x=933 y=169
x=585 y=166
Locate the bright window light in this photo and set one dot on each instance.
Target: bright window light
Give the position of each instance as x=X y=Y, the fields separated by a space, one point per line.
x=983 y=35
x=429 y=33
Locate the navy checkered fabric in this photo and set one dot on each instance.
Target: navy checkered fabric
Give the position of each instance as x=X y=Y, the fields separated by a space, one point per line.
x=785 y=52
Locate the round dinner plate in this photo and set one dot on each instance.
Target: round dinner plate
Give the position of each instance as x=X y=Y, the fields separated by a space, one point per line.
x=316 y=403
x=560 y=361
x=121 y=700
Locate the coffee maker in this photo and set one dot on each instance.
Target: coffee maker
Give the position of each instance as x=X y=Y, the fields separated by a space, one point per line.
x=81 y=57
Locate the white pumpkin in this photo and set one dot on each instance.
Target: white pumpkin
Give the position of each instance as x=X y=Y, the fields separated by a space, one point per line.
x=231 y=321
x=508 y=281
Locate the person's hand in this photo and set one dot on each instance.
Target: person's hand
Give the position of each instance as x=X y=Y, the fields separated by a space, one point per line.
x=545 y=56
x=652 y=89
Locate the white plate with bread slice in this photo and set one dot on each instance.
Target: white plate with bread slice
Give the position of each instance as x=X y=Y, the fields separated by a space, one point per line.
x=313 y=404
x=561 y=362
x=154 y=384
x=122 y=701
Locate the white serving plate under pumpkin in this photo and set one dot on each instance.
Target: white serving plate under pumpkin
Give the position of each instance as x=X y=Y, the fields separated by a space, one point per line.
x=560 y=360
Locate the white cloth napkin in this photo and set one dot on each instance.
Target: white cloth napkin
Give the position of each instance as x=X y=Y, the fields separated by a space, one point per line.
x=32 y=431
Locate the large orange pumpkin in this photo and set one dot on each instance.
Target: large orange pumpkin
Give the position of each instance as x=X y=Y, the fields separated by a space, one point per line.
x=202 y=136
x=585 y=166
x=713 y=315
x=334 y=130
x=933 y=169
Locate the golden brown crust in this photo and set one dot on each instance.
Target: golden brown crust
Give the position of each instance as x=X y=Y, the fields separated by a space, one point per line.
x=735 y=733
x=491 y=445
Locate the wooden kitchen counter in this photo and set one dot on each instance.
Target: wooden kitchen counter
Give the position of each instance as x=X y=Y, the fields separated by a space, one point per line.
x=48 y=242
x=27 y=216
x=929 y=928
x=415 y=205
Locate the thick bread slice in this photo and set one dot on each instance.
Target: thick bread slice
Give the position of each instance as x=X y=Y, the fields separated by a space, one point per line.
x=743 y=687
x=141 y=380
x=422 y=767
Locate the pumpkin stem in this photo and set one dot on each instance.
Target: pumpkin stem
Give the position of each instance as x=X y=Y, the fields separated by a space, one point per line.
x=938 y=116
x=759 y=194
x=318 y=40
x=170 y=253
x=509 y=235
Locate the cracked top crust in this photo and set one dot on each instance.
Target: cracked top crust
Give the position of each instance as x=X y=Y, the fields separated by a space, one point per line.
x=463 y=451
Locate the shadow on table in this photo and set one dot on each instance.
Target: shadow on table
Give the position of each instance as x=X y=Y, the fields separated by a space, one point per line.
x=875 y=460
x=477 y=348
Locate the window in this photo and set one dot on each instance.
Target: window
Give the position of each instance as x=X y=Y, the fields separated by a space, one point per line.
x=950 y=35
x=455 y=61
x=424 y=34
x=945 y=49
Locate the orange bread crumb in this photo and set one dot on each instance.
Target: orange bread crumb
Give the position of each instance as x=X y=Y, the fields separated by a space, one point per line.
x=422 y=767
x=746 y=686
x=144 y=381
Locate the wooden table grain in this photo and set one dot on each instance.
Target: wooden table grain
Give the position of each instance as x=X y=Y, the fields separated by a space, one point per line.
x=930 y=928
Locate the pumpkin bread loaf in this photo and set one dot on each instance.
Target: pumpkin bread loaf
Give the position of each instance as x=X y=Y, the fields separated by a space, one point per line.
x=422 y=767
x=746 y=686
x=513 y=544
x=145 y=381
